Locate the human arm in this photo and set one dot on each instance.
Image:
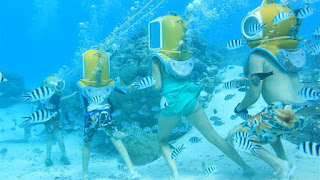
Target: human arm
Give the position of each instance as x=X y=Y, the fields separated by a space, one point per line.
x=156 y=73
x=255 y=65
x=69 y=96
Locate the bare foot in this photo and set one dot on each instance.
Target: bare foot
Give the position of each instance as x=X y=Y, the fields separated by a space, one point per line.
x=249 y=172
x=285 y=172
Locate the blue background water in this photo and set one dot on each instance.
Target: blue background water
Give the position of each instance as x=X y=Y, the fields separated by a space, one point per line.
x=37 y=37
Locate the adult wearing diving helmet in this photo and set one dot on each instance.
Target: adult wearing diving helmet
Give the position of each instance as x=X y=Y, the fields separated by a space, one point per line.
x=274 y=51
x=171 y=64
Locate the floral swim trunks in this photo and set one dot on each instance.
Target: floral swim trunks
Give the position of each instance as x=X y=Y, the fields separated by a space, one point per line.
x=275 y=120
x=98 y=120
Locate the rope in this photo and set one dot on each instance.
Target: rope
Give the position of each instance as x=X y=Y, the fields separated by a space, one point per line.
x=114 y=32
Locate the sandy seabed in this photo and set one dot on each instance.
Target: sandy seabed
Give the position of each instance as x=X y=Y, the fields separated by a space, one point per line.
x=20 y=162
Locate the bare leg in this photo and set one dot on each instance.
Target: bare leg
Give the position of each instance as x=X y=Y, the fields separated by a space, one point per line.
x=49 y=144
x=199 y=119
x=60 y=141
x=276 y=163
x=85 y=158
x=123 y=153
x=280 y=166
x=278 y=148
x=165 y=126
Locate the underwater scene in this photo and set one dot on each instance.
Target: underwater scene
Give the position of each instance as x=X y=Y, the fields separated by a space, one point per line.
x=160 y=89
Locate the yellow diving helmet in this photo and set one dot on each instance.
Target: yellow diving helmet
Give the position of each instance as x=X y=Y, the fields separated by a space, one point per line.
x=166 y=33
x=272 y=33
x=54 y=82
x=96 y=69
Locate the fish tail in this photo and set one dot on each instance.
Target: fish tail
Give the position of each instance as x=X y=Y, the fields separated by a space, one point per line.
x=27 y=119
x=27 y=97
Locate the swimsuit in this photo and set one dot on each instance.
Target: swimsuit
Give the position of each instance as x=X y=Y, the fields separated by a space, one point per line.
x=272 y=122
x=181 y=96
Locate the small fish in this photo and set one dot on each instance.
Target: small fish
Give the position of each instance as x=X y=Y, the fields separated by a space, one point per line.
x=315 y=49
x=218 y=123
x=282 y=16
x=3 y=151
x=195 y=139
x=209 y=170
x=309 y=111
x=240 y=134
x=257 y=77
x=2 y=79
x=183 y=129
x=133 y=115
x=176 y=152
x=231 y=85
x=316 y=37
x=256 y=28
x=317 y=31
x=135 y=123
x=243 y=89
x=122 y=167
x=96 y=100
x=13 y=128
x=214 y=118
x=125 y=124
x=262 y=76
x=233 y=117
x=49 y=106
x=217 y=91
x=155 y=108
x=228 y=97
x=155 y=127
x=215 y=111
x=309 y=93
x=309 y=148
x=303 y=13
x=40 y=116
x=147 y=129
x=145 y=83
x=235 y=44
x=116 y=113
x=37 y=151
x=245 y=144
x=119 y=134
x=245 y=116
x=230 y=67
x=40 y=93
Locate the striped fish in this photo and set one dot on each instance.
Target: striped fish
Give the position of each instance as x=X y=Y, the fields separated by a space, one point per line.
x=282 y=16
x=195 y=139
x=40 y=93
x=2 y=79
x=96 y=100
x=240 y=134
x=245 y=144
x=228 y=97
x=231 y=85
x=256 y=28
x=176 y=152
x=245 y=116
x=317 y=31
x=209 y=170
x=316 y=37
x=315 y=49
x=40 y=116
x=235 y=44
x=303 y=13
x=309 y=148
x=122 y=167
x=309 y=93
x=145 y=82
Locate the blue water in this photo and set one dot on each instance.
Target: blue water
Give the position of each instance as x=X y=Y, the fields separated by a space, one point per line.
x=37 y=37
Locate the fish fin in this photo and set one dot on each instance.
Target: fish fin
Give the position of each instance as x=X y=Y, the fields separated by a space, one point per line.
x=203 y=165
x=264 y=25
x=244 y=41
x=255 y=149
x=27 y=119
